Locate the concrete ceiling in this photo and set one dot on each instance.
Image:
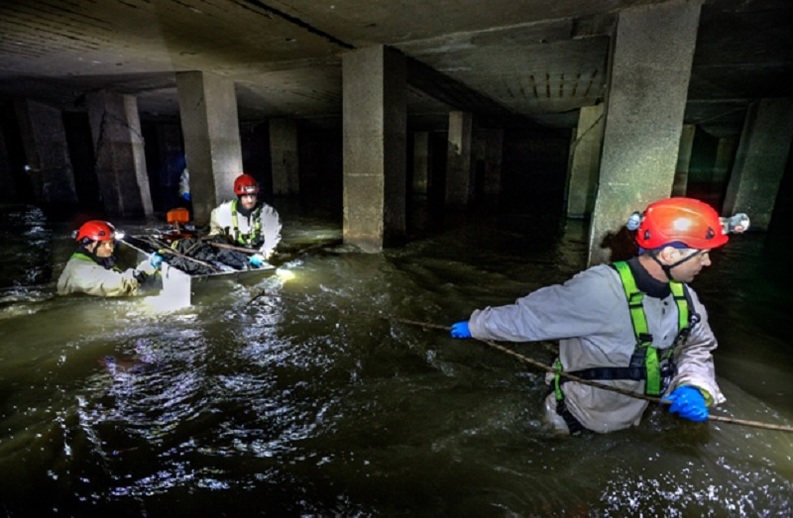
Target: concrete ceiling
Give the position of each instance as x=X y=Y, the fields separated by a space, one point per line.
x=531 y=59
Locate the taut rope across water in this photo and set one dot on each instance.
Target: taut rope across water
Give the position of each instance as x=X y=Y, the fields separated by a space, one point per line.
x=549 y=368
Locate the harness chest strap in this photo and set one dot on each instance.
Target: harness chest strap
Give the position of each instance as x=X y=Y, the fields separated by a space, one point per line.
x=645 y=362
x=256 y=230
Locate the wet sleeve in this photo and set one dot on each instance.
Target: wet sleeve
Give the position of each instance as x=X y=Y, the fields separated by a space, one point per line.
x=96 y=280
x=695 y=359
x=584 y=305
x=214 y=224
x=146 y=267
x=271 y=231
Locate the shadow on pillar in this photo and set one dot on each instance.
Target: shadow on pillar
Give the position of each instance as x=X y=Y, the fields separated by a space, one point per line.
x=622 y=244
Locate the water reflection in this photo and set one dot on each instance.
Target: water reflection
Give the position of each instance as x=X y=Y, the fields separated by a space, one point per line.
x=314 y=396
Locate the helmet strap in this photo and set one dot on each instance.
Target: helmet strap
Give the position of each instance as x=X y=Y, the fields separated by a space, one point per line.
x=667 y=268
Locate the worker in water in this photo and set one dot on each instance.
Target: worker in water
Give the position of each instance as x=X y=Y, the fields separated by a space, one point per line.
x=91 y=268
x=247 y=221
x=634 y=325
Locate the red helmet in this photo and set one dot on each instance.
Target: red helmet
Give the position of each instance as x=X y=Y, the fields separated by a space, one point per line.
x=245 y=184
x=96 y=230
x=680 y=220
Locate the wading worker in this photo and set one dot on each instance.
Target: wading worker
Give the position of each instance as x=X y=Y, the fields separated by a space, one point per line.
x=91 y=268
x=635 y=325
x=247 y=222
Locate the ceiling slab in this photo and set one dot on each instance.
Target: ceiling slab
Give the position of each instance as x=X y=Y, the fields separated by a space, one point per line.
x=536 y=61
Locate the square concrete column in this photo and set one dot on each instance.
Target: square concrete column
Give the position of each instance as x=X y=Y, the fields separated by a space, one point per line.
x=118 y=148
x=210 y=126
x=459 y=173
x=421 y=162
x=650 y=70
x=284 y=156
x=375 y=148
x=489 y=153
x=760 y=160
x=722 y=164
x=169 y=144
x=584 y=164
x=47 y=153
x=8 y=194
x=680 y=185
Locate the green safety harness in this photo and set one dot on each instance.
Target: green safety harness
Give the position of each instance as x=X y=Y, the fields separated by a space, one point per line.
x=647 y=363
x=250 y=239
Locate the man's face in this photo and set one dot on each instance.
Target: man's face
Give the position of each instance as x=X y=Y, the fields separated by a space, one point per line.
x=104 y=249
x=248 y=201
x=697 y=260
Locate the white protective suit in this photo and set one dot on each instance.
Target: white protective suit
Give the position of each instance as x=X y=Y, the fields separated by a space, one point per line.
x=221 y=222
x=184 y=183
x=83 y=275
x=589 y=316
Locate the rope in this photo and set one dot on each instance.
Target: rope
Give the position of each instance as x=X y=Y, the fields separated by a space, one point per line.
x=163 y=248
x=548 y=368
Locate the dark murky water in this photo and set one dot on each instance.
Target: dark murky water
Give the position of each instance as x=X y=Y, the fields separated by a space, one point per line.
x=321 y=396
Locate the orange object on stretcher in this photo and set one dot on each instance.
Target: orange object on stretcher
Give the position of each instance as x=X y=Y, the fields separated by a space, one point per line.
x=178 y=216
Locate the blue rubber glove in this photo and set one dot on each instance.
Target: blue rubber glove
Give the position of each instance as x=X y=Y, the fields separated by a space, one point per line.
x=689 y=403
x=256 y=260
x=460 y=330
x=186 y=196
x=155 y=260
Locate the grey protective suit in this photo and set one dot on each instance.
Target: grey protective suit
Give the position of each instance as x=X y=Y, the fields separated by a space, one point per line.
x=589 y=316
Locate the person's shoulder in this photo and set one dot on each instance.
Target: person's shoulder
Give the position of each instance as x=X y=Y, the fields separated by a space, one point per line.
x=604 y=272
x=601 y=278
x=223 y=205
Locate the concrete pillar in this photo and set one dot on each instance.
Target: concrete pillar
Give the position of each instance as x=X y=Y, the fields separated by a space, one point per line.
x=8 y=191
x=284 y=156
x=375 y=146
x=459 y=177
x=210 y=126
x=585 y=162
x=650 y=70
x=172 y=162
x=760 y=160
x=119 y=154
x=725 y=153
x=421 y=162
x=47 y=153
x=680 y=184
x=492 y=155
